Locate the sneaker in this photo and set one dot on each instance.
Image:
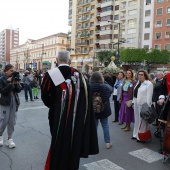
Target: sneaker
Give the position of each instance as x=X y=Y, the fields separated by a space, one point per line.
x=108 y=145
x=1 y=141
x=10 y=143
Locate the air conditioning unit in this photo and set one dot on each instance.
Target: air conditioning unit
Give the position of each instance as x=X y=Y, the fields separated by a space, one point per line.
x=167 y=36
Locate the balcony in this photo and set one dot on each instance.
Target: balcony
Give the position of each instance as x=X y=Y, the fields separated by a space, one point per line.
x=81 y=44
x=122 y=16
x=106 y=13
x=98 y=14
x=98 y=6
x=84 y=35
x=97 y=23
x=97 y=41
x=86 y=18
x=97 y=32
x=105 y=4
x=104 y=32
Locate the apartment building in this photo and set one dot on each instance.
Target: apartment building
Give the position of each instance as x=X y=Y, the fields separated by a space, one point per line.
x=161 y=29
x=131 y=19
x=9 y=38
x=148 y=17
x=38 y=54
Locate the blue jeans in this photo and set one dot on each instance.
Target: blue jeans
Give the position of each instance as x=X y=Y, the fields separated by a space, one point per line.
x=105 y=125
x=27 y=88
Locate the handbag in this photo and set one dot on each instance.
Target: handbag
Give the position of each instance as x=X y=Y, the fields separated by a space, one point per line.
x=148 y=113
x=143 y=136
x=129 y=103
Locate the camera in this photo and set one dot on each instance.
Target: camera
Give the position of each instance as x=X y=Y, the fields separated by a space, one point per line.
x=16 y=76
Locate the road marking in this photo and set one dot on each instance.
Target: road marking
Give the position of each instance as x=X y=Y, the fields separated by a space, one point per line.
x=147 y=155
x=104 y=164
x=32 y=108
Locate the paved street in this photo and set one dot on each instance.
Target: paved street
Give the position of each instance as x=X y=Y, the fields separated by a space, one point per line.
x=32 y=138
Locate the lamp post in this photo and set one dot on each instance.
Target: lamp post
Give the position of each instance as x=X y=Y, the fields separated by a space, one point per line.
x=118 y=43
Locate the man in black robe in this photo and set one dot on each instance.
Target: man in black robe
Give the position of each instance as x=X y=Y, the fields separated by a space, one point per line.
x=67 y=94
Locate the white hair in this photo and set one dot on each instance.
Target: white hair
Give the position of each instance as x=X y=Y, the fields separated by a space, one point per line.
x=63 y=56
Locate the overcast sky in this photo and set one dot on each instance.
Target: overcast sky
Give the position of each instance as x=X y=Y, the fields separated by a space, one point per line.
x=34 y=18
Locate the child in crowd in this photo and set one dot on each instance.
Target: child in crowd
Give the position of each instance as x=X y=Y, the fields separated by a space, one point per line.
x=35 y=88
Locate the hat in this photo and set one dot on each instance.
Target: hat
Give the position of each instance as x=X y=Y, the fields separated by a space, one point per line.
x=26 y=71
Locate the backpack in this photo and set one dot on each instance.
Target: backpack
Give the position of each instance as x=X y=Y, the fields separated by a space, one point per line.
x=98 y=105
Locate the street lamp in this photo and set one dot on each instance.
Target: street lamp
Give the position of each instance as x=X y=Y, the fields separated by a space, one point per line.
x=118 y=43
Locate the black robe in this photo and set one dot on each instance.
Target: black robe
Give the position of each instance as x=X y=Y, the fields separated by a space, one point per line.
x=66 y=147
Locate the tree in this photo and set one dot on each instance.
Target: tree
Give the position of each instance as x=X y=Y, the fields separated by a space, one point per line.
x=105 y=56
x=134 y=57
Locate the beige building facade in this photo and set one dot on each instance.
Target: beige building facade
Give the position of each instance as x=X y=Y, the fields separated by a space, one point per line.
x=38 y=54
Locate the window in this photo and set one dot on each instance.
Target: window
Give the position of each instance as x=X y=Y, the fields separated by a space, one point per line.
x=167 y=34
x=158 y=36
x=159 y=23
x=132 y=21
x=148 y=2
x=167 y=47
x=147 y=13
x=116 y=17
x=147 y=24
x=116 y=7
x=92 y=7
x=158 y=46
x=160 y=1
x=133 y=12
x=131 y=31
x=168 y=22
x=146 y=46
x=159 y=11
x=131 y=40
x=168 y=10
x=92 y=15
x=91 y=24
x=146 y=36
x=91 y=32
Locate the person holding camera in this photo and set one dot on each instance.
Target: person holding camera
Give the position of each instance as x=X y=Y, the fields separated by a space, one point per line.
x=27 y=79
x=9 y=103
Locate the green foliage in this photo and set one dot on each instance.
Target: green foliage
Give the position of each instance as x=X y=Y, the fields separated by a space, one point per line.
x=1 y=66
x=95 y=69
x=105 y=55
x=141 y=54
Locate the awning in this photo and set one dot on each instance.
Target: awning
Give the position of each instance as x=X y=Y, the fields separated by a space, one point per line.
x=46 y=62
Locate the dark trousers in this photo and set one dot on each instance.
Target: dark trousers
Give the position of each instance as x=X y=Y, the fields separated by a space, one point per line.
x=117 y=107
x=158 y=111
x=27 y=88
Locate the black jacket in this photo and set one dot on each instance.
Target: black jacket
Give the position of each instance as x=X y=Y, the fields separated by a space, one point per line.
x=5 y=91
x=105 y=93
x=159 y=89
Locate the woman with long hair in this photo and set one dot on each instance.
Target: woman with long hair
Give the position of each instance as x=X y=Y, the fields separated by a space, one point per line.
x=98 y=85
x=143 y=92
x=126 y=114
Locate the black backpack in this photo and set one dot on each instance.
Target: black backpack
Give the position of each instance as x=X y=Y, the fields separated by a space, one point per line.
x=98 y=105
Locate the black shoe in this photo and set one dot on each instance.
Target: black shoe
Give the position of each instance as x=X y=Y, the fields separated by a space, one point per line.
x=133 y=138
x=140 y=141
x=32 y=100
x=34 y=97
x=37 y=98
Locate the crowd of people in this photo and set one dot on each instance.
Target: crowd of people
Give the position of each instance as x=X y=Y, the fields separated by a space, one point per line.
x=77 y=102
